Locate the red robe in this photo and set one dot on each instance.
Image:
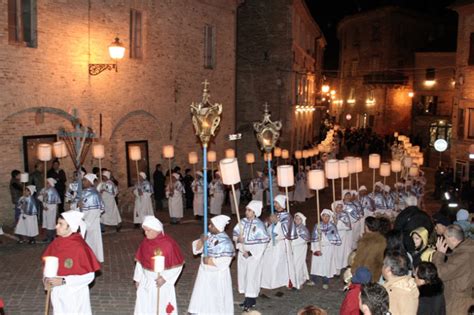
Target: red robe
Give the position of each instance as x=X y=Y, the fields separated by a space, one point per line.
x=75 y=256
x=162 y=245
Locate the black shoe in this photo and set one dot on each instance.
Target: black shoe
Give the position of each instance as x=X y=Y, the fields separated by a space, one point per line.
x=32 y=242
x=137 y=226
x=118 y=228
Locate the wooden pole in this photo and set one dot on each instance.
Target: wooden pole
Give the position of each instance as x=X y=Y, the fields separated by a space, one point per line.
x=357 y=181
x=138 y=174
x=319 y=216
x=100 y=170
x=342 y=186
x=373 y=180
x=333 y=191
x=48 y=296
x=237 y=210
x=287 y=199
x=158 y=297
x=45 y=172
x=251 y=169
x=170 y=187
x=350 y=182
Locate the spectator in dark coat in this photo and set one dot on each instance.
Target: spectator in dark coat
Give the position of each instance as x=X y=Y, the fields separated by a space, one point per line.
x=60 y=176
x=16 y=190
x=187 y=181
x=410 y=219
x=159 y=187
x=431 y=300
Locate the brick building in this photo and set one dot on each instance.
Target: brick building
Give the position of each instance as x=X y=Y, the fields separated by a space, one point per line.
x=376 y=55
x=171 y=47
x=286 y=72
x=463 y=109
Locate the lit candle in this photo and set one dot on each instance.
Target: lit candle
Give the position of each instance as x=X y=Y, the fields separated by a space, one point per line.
x=51 y=265
x=159 y=263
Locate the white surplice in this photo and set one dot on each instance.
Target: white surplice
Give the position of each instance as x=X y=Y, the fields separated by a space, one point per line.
x=249 y=270
x=49 y=216
x=323 y=265
x=343 y=251
x=217 y=197
x=299 y=194
x=27 y=225
x=111 y=216
x=147 y=293
x=72 y=297
x=212 y=292
x=93 y=234
x=143 y=206
x=176 y=204
x=300 y=251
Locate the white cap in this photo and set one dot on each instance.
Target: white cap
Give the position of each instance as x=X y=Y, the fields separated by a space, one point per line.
x=220 y=222
x=302 y=216
x=281 y=200
x=91 y=178
x=176 y=175
x=153 y=223
x=31 y=188
x=328 y=212
x=399 y=184
x=411 y=201
x=142 y=174
x=362 y=188
x=106 y=174
x=335 y=204
x=379 y=184
x=199 y=173
x=52 y=181
x=386 y=188
x=345 y=192
x=74 y=219
x=256 y=207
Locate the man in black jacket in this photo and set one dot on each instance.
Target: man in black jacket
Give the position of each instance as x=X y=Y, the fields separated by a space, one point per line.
x=60 y=176
x=159 y=187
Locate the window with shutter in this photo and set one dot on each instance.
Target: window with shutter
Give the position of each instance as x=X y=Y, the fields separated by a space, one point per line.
x=22 y=22
x=209 y=46
x=136 y=41
x=470 y=61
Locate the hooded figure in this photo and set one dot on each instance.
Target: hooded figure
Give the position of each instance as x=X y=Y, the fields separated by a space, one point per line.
x=344 y=228
x=300 y=192
x=422 y=251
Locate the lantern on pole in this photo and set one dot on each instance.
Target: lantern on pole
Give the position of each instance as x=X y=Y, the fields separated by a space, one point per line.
x=135 y=154
x=351 y=167
x=211 y=158
x=374 y=163
x=396 y=166
x=316 y=182
x=331 y=169
x=384 y=171
x=277 y=154
x=285 y=154
x=98 y=152
x=343 y=172
x=60 y=149
x=407 y=162
x=286 y=179
x=229 y=169
x=268 y=132
x=45 y=155
x=298 y=156
x=250 y=159
x=168 y=153
x=193 y=160
x=229 y=154
x=206 y=119
x=359 y=168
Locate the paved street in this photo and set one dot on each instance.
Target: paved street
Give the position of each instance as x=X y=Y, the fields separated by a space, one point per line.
x=113 y=291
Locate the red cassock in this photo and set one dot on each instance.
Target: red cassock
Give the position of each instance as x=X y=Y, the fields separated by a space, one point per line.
x=161 y=245
x=75 y=256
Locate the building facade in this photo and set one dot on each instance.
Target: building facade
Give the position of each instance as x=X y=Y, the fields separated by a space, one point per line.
x=279 y=62
x=171 y=48
x=376 y=57
x=463 y=109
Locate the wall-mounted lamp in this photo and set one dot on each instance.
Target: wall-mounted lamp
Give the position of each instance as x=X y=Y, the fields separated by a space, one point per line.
x=116 y=52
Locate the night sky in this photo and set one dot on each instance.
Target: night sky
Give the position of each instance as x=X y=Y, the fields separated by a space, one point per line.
x=328 y=13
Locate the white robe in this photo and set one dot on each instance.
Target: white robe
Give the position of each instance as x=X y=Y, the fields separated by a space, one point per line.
x=300 y=250
x=49 y=216
x=72 y=297
x=323 y=265
x=231 y=199
x=212 y=292
x=357 y=231
x=249 y=270
x=143 y=207
x=146 y=301
x=217 y=200
x=198 y=204
x=342 y=252
x=27 y=225
x=175 y=206
x=278 y=261
x=111 y=215
x=93 y=234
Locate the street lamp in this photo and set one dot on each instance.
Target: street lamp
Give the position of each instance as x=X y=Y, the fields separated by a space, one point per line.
x=116 y=52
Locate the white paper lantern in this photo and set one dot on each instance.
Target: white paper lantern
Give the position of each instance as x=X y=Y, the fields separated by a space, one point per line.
x=250 y=158
x=285 y=154
x=413 y=172
x=229 y=169
x=374 y=160
x=285 y=176
x=305 y=154
x=316 y=179
x=396 y=166
x=24 y=178
x=60 y=149
x=343 y=169
x=98 y=151
x=321 y=147
x=211 y=156
x=51 y=266
x=407 y=161
x=168 y=151
x=267 y=156
x=331 y=169
x=385 y=169
x=193 y=158
x=134 y=153
x=44 y=152
x=229 y=153
x=298 y=154
x=277 y=152
x=395 y=134
x=158 y=263
x=352 y=164
x=359 y=165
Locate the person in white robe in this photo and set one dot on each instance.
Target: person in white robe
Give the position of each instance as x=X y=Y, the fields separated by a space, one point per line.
x=143 y=205
x=299 y=194
x=212 y=291
x=108 y=191
x=344 y=227
x=237 y=198
x=378 y=198
x=278 y=257
x=256 y=187
x=174 y=192
x=148 y=280
x=70 y=196
x=324 y=239
x=27 y=225
x=251 y=239
x=92 y=206
x=50 y=198
x=216 y=193
x=354 y=211
x=300 y=250
x=198 y=201
x=77 y=266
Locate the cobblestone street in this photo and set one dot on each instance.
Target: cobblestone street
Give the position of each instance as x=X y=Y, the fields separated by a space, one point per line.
x=114 y=292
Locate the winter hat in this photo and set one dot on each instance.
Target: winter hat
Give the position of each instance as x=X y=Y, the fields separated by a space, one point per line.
x=362 y=276
x=31 y=188
x=52 y=181
x=74 y=219
x=281 y=200
x=220 y=222
x=143 y=175
x=91 y=178
x=462 y=215
x=328 y=212
x=106 y=174
x=302 y=216
x=152 y=223
x=256 y=207
x=441 y=219
x=362 y=188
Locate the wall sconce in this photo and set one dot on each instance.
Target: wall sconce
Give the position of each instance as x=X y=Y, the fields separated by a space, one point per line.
x=116 y=52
